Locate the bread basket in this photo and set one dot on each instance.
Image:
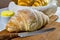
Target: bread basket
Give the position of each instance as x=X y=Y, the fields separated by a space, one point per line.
x=49 y=9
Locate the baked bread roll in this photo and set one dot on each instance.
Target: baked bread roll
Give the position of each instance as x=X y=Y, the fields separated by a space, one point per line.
x=32 y=2
x=40 y=3
x=25 y=2
x=27 y=20
x=37 y=3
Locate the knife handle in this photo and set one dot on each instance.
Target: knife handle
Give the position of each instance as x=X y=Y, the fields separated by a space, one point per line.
x=8 y=36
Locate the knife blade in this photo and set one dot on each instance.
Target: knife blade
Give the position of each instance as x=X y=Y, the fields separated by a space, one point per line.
x=26 y=34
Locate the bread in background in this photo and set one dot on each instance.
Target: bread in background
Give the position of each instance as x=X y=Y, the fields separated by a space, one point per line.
x=32 y=2
x=25 y=2
x=40 y=3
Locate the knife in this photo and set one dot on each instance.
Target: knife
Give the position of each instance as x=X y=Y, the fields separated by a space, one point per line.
x=25 y=34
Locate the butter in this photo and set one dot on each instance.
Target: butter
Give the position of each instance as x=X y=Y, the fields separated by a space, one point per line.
x=7 y=13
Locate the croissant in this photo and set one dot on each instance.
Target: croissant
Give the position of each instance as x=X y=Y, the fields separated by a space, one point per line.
x=27 y=20
x=40 y=3
x=25 y=2
x=37 y=3
x=32 y=2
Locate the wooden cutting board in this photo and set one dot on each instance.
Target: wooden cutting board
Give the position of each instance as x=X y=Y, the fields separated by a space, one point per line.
x=53 y=35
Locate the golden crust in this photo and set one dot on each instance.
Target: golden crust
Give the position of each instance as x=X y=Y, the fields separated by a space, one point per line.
x=25 y=2
x=32 y=2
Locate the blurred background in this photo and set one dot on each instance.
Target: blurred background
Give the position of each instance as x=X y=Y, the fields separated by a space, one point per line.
x=4 y=3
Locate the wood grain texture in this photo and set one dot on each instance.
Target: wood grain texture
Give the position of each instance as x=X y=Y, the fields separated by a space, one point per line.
x=54 y=35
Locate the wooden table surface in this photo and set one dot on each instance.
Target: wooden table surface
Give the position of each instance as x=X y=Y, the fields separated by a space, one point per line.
x=53 y=35
x=58 y=3
x=4 y=3
x=48 y=36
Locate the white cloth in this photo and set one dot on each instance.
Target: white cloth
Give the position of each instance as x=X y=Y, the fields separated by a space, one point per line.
x=49 y=9
x=57 y=13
